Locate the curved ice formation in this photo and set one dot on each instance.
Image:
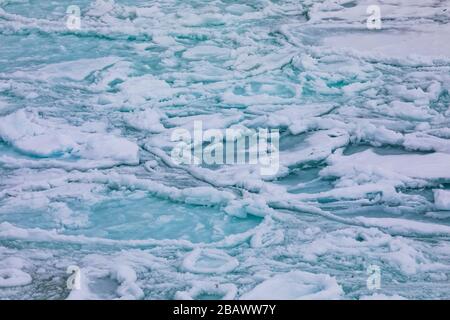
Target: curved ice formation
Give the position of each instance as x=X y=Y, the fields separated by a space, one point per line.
x=87 y=179
x=209 y=261
x=296 y=285
x=13 y=278
x=267 y=236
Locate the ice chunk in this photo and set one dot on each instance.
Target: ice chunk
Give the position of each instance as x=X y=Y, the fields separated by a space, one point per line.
x=209 y=261
x=442 y=199
x=296 y=285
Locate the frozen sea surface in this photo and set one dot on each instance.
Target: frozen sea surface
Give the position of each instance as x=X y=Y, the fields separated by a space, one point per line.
x=86 y=179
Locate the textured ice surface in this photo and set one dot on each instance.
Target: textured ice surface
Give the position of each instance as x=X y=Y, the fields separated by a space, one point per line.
x=86 y=177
